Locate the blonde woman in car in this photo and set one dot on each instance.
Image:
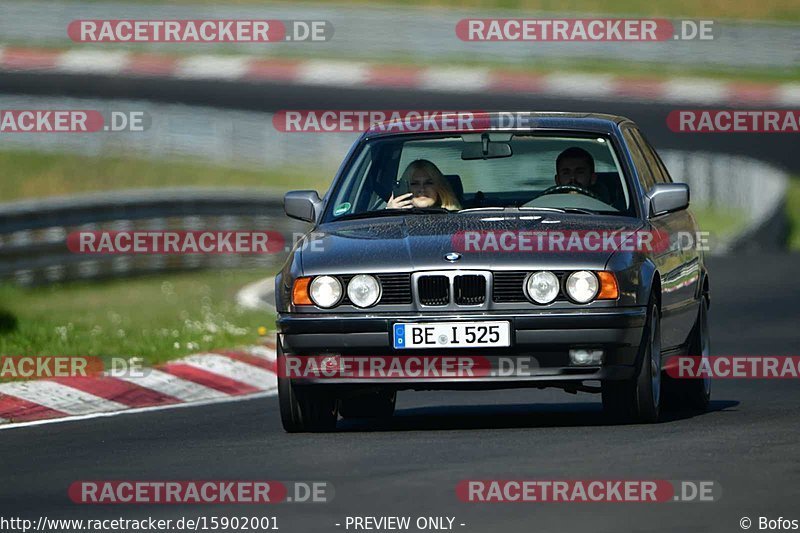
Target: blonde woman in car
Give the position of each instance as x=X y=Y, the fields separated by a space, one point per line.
x=427 y=186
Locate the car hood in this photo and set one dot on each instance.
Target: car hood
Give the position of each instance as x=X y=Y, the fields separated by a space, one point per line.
x=420 y=242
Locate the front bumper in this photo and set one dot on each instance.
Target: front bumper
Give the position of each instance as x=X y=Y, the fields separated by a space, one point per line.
x=543 y=337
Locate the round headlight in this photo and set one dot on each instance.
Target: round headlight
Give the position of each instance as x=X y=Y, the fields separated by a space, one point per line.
x=325 y=291
x=363 y=290
x=542 y=287
x=582 y=286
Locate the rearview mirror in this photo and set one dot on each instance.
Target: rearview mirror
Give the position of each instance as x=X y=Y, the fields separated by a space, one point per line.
x=485 y=150
x=667 y=198
x=302 y=205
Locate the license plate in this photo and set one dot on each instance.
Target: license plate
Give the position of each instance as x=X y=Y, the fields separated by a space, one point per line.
x=452 y=335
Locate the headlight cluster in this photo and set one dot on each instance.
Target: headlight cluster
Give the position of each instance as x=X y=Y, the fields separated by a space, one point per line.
x=325 y=291
x=542 y=287
x=582 y=287
x=363 y=290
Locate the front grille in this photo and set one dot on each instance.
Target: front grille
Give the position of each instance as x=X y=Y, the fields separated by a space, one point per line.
x=508 y=287
x=395 y=288
x=469 y=290
x=433 y=290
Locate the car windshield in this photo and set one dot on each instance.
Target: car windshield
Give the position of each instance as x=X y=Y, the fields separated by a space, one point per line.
x=464 y=172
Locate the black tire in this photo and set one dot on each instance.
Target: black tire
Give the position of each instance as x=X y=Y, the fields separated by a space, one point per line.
x=693 y=394
x=374 y=404
x=639 y=398
x=305 y=407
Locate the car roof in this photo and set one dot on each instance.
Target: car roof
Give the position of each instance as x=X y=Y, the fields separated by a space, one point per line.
x=405 y=123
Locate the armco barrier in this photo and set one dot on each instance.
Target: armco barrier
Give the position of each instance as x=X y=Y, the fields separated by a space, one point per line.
x=33 y=234
x=754 y=188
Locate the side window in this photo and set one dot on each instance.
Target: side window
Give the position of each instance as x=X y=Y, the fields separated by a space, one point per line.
x=656 y=165
x=350 y=188
x=662 y=167
x=643 y=168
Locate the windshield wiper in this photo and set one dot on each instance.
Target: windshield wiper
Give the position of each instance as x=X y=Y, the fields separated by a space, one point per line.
x=489 y=208
x=394 y=212
x=560 y=210
x=523 y=208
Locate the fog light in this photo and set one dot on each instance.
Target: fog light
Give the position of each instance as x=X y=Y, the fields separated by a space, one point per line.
x=585 y=357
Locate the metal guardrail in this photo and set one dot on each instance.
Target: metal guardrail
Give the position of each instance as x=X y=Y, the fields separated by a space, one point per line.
x=747 y=186
x=33 y=234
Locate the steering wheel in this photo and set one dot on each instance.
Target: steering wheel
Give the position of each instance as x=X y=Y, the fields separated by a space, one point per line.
x=560 y=189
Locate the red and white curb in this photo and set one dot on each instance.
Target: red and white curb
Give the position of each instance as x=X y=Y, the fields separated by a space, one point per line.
x=196 y=379
x=354 y=74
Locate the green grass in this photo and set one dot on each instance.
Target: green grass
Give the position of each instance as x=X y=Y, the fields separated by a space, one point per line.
x=668 y=71
x=777 y=10
x=720 y=223
x=793 y=212
x=34 y=175
x=156 y=318
x=566 y=65
x=623 y=69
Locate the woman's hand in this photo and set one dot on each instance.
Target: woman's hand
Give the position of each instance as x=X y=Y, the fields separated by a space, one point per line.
x=401 y=202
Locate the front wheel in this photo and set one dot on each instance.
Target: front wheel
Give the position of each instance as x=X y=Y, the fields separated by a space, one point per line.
x=639 y=398
x=305 y=407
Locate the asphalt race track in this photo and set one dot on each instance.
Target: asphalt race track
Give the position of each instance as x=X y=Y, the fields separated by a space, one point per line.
x=747 y=443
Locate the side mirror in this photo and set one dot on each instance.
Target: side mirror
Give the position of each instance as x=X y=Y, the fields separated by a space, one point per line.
x=302 y=205
x=667 y=198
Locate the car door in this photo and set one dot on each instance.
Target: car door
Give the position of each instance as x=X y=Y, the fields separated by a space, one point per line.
x=673 y=263
x=688 y=280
